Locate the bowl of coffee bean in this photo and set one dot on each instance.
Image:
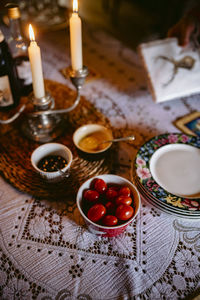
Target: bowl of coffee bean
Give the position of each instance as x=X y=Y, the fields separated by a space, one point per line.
x=52 y=161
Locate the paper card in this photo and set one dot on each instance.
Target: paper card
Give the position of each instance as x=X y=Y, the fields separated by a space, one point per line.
x=172 y=71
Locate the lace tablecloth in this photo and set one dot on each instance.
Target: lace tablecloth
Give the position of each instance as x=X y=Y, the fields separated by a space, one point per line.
x=46 y=251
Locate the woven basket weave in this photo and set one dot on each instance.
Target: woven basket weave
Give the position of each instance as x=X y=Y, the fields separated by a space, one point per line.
x=15 y=150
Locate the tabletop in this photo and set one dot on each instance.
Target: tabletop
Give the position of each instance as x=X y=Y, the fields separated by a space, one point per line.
x=46 y=251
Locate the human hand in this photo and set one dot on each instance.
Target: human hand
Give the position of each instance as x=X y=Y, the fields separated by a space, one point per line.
x=183 y=30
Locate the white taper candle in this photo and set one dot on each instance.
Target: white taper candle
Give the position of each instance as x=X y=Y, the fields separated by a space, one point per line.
x=76 y=38
x=36 y=66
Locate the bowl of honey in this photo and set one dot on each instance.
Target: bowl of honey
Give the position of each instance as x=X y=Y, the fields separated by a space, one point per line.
x=91 y=138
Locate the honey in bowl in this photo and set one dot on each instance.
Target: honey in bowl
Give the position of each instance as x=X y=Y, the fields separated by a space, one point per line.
x=52 y=163
x=91 y=142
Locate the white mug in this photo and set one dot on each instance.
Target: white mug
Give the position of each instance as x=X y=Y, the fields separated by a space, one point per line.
x=52 y=149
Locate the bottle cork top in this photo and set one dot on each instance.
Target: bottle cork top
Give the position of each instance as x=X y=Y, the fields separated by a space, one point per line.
x=13 y=11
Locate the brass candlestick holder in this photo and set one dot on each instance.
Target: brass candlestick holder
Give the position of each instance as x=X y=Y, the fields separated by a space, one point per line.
x=43 y=123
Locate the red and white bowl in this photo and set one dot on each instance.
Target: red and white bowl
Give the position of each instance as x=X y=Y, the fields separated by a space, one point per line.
x=98 y=229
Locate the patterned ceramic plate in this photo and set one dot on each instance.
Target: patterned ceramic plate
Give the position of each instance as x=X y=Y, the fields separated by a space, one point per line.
x=176 y=211
x=152 y=188
x=176 y=168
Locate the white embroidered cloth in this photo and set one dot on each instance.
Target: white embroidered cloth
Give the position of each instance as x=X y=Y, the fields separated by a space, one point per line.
x=172 y=71
x=45 y=250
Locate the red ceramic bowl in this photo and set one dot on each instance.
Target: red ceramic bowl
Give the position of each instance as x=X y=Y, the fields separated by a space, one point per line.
x=105 y=230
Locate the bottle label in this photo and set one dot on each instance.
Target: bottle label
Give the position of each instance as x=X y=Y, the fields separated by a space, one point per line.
x=6 y=98
x=24 y=70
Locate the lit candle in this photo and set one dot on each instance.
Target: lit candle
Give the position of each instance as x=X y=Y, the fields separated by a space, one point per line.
x=76 y=38
x=36 y=66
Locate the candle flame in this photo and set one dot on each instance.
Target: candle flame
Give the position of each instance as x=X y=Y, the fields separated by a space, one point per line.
x=75 y=6
x=31 y=33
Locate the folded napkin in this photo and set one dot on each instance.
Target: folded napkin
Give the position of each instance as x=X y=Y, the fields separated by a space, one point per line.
x=172 y=71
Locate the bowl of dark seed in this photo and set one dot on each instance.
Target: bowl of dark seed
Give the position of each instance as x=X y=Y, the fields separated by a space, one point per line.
x=52 y=161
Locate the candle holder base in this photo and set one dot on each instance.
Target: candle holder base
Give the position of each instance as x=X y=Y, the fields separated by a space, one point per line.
x=44 y=123
x=39 y=126
x=42 y=129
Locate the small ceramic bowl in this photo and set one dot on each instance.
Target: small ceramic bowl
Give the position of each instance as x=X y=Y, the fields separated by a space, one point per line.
x=52 y=149
x=105 y=230
x=89 y=131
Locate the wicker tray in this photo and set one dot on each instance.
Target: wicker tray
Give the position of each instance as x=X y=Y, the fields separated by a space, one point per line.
x=15 y=150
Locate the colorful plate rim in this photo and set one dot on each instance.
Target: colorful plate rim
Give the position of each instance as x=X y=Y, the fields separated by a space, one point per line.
x=142 y=170
x=165 y=207
x=167 y=210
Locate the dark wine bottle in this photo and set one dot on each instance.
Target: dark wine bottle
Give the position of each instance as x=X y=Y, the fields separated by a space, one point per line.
x=19 y=49
x=9 y=81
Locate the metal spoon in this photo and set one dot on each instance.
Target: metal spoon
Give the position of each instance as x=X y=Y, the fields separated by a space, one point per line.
x=127 y=138
x=64 y=174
